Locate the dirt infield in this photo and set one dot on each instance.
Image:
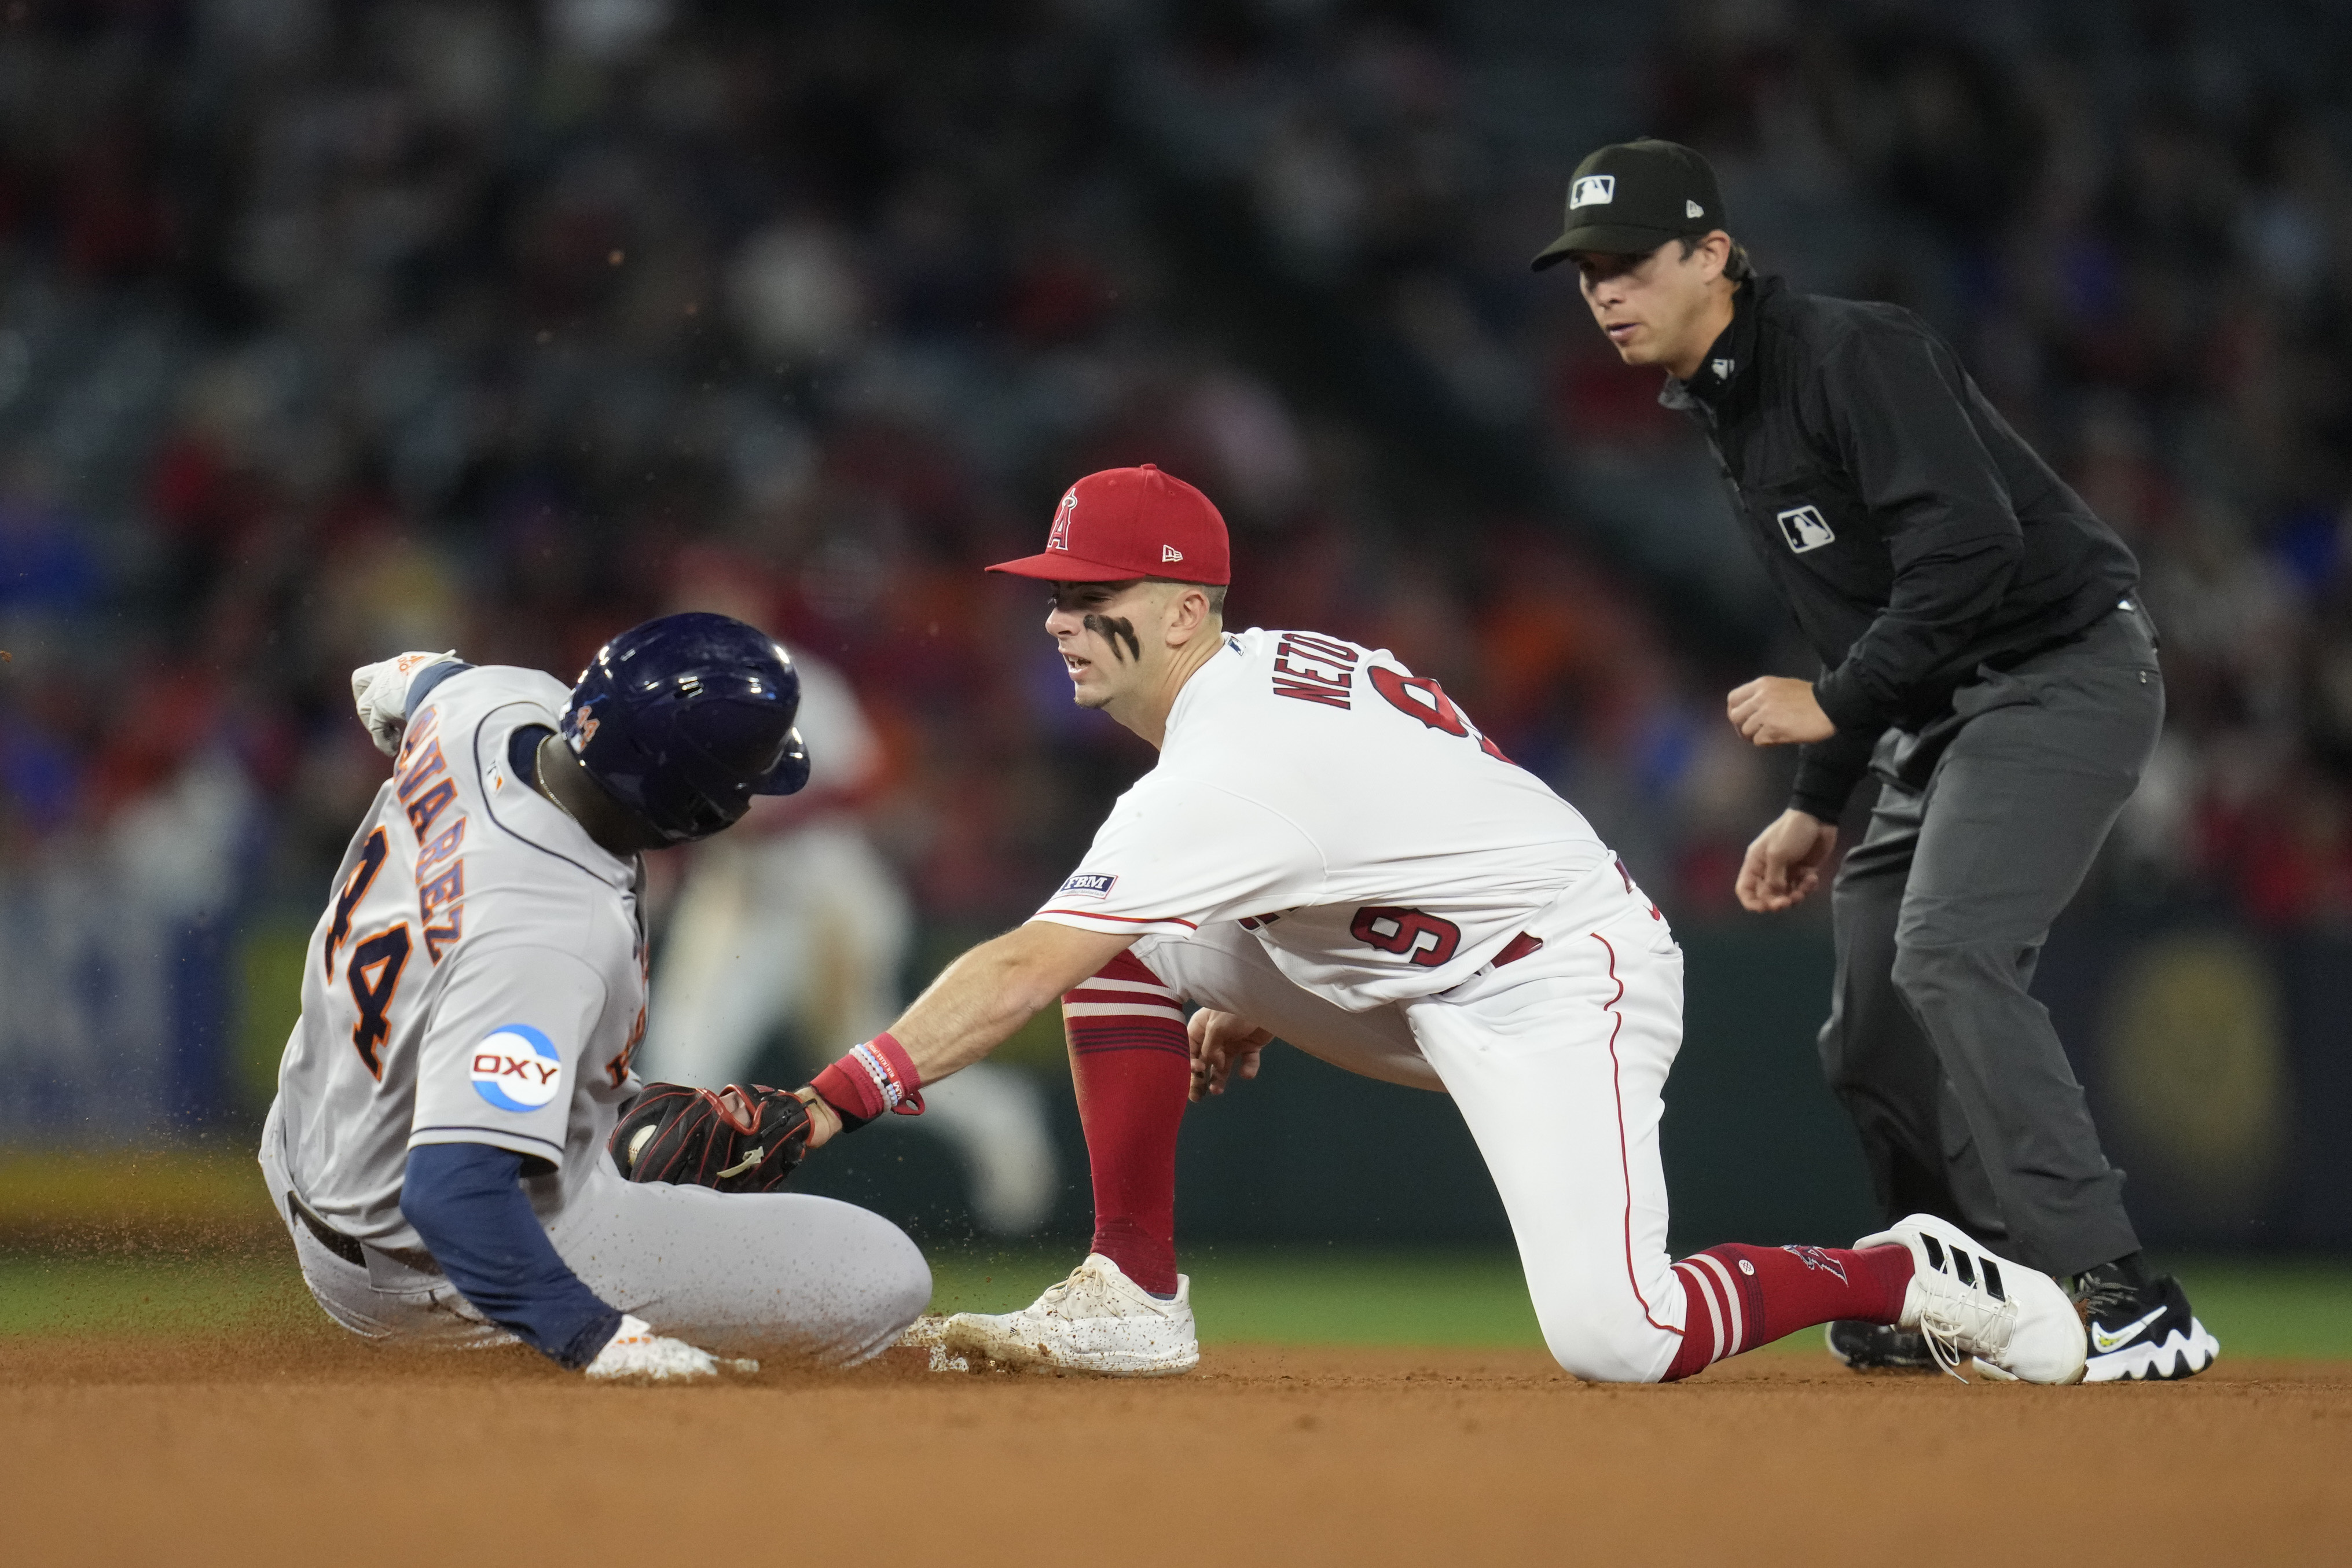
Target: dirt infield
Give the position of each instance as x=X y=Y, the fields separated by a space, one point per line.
x=305 y=1449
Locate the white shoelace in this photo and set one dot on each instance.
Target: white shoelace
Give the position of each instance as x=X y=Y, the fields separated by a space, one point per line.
x=1958 y=1322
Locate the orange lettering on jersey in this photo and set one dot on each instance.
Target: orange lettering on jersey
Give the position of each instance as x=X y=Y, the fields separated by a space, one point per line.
x=616 y=1071
x=426 y=808
x=440 y=887
x=439 y=938
x=442 y=848
x=419 y=734
x=447 y=888
x=430 y=763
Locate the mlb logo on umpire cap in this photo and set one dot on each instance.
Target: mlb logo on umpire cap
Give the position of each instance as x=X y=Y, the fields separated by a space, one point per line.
x=1593 y=191
x=1805 y=528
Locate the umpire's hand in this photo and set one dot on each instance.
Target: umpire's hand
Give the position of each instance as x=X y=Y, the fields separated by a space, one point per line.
x=1785 y=862
x=1774 y=710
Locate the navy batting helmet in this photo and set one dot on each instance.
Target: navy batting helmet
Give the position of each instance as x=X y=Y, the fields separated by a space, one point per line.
x=684 y=719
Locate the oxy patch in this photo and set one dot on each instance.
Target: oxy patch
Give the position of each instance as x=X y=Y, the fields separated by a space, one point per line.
x=1088 y=884
x=516 y=1067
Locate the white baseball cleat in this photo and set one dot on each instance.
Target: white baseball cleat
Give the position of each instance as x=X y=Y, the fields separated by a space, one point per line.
x=1968 y=1302
x=1097 y=1320
x=924 y=1335
x=636 y=1351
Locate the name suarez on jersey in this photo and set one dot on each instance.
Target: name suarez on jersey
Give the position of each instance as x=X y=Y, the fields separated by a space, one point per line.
x=429 y=796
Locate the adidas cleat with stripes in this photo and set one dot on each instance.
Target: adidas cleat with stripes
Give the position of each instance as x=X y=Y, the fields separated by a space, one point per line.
x=1968 y=1302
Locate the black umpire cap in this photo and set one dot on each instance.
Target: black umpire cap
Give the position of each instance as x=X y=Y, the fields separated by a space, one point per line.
x=1632 y=197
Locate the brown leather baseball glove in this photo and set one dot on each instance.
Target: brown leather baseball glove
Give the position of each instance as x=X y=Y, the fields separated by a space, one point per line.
x=735 y=1139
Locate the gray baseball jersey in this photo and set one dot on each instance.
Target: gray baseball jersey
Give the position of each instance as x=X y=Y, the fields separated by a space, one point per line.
x=478 y=977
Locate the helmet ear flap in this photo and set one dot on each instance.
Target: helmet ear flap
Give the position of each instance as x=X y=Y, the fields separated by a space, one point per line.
x=790 y=774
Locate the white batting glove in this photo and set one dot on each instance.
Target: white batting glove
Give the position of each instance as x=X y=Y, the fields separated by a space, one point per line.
x=380 y=692
x=636 y=1351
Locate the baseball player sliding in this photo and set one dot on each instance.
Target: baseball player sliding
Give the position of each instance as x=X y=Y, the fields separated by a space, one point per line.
x=475 y=992
x=1330 y=850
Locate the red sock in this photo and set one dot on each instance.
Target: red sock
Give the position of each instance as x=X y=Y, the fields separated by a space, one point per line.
x=1741 y=1297
x=1131 y=1066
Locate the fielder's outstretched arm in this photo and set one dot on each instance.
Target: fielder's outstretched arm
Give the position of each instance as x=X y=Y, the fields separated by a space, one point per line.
x=970 y=1009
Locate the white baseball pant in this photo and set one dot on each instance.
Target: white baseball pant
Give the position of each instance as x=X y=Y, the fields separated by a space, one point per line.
x=1557 y=1063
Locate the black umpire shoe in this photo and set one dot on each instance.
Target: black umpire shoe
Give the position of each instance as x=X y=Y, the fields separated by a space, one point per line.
x=1879 y=1347
x=2140 y=1331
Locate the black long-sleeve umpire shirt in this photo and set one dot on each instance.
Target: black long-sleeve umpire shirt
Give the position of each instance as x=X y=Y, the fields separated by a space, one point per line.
x=1912 y=533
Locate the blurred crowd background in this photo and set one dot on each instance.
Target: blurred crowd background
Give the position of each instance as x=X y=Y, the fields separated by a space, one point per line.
x=329 y=330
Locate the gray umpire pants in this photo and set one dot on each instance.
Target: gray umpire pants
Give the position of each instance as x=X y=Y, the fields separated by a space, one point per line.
x=1986 y=824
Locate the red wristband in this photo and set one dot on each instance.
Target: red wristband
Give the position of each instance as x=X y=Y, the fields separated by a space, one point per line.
x=873 y=1078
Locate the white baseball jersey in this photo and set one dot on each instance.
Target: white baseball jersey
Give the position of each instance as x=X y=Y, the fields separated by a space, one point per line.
x=478 y=975
x=1343 y=810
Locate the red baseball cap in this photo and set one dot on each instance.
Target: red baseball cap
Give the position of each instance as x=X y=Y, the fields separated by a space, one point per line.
x=1131 y=522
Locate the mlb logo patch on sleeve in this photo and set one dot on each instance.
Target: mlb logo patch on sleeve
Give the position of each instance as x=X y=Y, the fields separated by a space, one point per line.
x=1088 y=884
x=516 y=1067
x=1805 y=528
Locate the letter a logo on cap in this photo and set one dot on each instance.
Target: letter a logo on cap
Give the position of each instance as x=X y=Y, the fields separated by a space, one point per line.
x=1060 y=538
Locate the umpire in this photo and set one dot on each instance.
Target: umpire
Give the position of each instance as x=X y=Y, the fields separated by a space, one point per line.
x=1984 y=653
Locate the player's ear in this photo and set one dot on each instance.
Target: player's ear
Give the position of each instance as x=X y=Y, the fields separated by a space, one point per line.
x=1187 y=612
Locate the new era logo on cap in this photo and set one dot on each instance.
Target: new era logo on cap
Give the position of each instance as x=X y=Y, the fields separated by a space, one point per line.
x=1593 y=191
x=1169 y=553
x=1692 y=209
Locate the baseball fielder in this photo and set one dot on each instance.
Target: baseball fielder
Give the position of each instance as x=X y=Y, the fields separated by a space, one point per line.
x=1330 y=849
x=474 y=995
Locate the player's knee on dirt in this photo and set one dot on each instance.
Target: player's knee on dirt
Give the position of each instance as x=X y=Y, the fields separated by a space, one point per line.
x=1597 y=1345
